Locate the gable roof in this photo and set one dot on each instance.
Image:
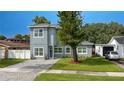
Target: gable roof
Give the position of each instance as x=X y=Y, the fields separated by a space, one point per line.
x=13 y=44
x=44 y=25
x=119 y=39
x=86 y=43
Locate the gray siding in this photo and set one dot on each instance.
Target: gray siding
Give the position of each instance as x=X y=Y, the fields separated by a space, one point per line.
x=89 y=51
x=52 y=36
x=50 y=39
x=39 y=42
x=88 y=54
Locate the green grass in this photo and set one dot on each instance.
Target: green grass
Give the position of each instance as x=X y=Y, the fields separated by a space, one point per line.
x=88 y=64
x=75 y=77
x=8 y=62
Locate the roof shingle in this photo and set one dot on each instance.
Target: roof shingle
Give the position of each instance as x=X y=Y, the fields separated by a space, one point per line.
x=119 y=39
x=12 y=44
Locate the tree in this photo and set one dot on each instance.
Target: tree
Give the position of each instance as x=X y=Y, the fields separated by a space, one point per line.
x=19 y=36
x=70 y=31
x=2 y=37
x=26 y=37
x=40 y=20
x=101 y=33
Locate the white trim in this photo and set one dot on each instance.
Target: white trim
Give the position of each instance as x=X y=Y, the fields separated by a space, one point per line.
x=34 y=51
x=65 y=50
x=82 y=52
x=58 y=47
x=38 y=32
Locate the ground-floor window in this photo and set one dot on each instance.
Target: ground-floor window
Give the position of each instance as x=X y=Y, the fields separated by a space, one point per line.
x=58 y=50
x=38 y=52
x=67 y=50
x=81 y=50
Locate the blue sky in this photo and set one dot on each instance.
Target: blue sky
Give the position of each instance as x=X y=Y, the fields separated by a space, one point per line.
x=13 y=22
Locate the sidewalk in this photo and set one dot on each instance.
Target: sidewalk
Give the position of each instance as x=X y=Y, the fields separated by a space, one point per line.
x=119 y=74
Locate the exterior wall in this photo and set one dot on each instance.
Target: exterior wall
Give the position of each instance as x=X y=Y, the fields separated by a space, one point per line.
x=99 y=50
x=39 y=42
x=118 y=47
x=88 y=54
x=120 y=50
x=58 y=55
x=45 y=51
x=114 y=42
x=50 y=39
x=21 y=54
x=89 y=51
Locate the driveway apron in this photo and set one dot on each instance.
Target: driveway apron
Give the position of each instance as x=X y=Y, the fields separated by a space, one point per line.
x=25 y=71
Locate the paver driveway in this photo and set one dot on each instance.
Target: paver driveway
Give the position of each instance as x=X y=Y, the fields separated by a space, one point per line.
x=27 y=70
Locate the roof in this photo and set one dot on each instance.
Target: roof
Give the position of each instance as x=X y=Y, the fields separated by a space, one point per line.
x=104 y=44
x=119 y=39
x=44 y=25
x=13 y=44
x=86 y=43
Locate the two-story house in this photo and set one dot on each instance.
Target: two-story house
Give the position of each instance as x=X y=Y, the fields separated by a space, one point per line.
x=44 y=43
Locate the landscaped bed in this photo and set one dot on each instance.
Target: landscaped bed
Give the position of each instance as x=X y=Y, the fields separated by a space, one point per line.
x=88 y=64
x=75 y=77
x=8 y=62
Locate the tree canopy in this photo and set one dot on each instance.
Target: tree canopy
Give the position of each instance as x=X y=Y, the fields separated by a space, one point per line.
x=102 y=32
x=22 y=37
x=40 y=20
x=2 y=37
x=70 y=31
x=18 y=36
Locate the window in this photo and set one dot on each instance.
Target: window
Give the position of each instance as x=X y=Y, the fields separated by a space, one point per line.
x=58 y=50
x=67 y=50
x=38 y=33
x=38 y=52
x=82 y=50
x=41 y=32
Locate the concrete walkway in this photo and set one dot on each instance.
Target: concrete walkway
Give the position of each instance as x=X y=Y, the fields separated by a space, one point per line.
x=27 y=70
x=119 y=74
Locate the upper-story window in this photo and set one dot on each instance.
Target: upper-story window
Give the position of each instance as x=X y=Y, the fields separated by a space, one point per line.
x=38 y=33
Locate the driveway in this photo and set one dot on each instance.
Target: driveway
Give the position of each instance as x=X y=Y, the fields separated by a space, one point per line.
x=25 y=71
x=120 y=63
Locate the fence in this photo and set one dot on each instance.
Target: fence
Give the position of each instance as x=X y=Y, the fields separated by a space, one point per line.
x=2 y=53
x=22 y=54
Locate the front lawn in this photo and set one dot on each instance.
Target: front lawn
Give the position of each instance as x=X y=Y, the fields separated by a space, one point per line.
x=75 y=77
x=8 y=62
x=88 y=64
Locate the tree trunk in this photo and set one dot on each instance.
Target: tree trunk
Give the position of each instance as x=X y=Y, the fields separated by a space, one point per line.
x=6 y=52
x=75 y=57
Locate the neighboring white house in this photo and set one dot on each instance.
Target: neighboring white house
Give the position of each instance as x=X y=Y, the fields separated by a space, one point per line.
x=14 y=49
x=115 y=44
x=118 y=42
x=102 y=49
